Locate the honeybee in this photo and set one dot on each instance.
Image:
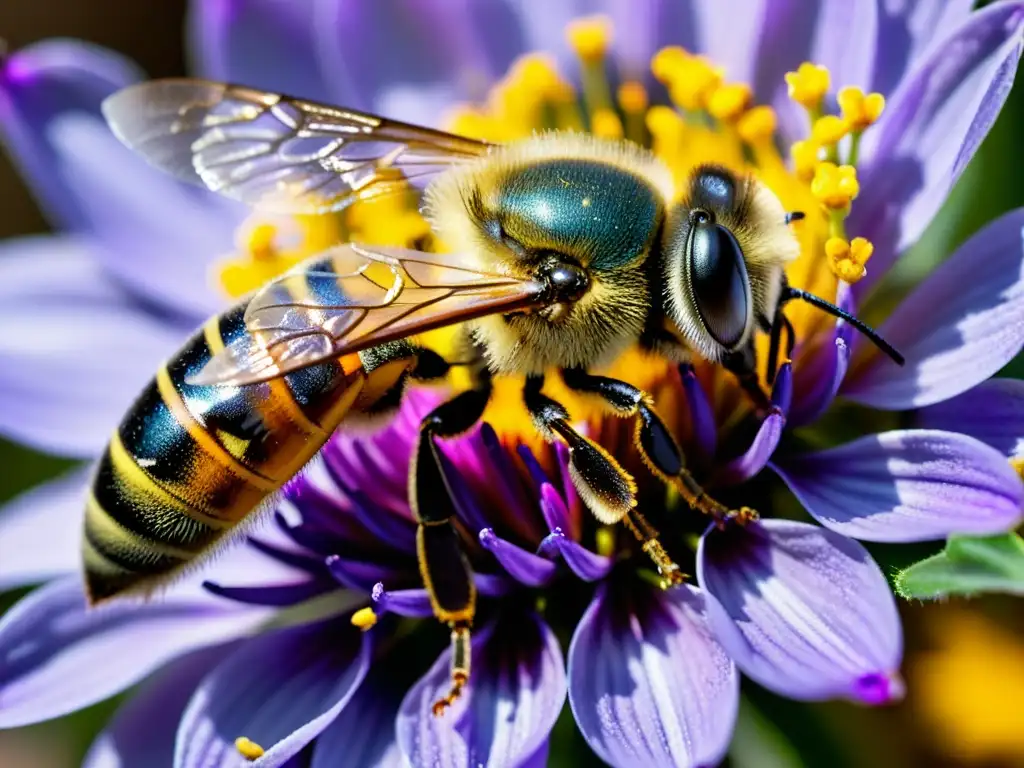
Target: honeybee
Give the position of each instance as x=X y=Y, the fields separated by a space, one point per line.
x=567 y=250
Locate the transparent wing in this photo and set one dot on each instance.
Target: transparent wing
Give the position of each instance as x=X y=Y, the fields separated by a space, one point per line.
x=352 y=297
x=274 y=152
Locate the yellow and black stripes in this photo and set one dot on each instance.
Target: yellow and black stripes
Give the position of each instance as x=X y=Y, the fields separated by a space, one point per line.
x=190 y=462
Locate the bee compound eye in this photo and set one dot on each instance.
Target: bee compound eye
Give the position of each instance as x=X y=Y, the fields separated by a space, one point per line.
x=719 y=285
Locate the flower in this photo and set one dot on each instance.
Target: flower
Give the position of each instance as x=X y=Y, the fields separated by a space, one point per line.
x=801 y=609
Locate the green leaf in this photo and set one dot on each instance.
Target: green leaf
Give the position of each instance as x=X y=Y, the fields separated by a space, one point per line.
x=967 y=566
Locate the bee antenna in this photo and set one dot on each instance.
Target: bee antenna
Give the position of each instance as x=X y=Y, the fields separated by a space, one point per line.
x=832 y=309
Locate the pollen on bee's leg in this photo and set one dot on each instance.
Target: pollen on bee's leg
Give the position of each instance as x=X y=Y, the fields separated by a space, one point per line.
x=248 y=749
x=460 y=668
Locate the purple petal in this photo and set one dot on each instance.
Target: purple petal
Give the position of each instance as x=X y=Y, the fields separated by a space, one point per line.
x=39 y=85
x=907 y=485
x=588 y=565
x=414 y=603
x=755 y=458
x=931 y=129
x=702 y=417
x=821 y=366
x=507 y=711
x=960 y=326
x=40 y=531
x=106 y=344
x=59 y=656
x=526 y=567
x=844 y=41
x=280 y=690
x=802 y=610
x=648 y=683
x=276 y=595
x=992 y=412
x=264 y=44
x=142 y=733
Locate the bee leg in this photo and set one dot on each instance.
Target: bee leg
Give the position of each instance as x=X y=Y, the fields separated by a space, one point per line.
x=605 y=487
x=658 y=448
x=743 y=365
x=443 y=564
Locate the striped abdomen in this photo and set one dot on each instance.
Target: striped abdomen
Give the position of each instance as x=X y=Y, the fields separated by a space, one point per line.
x=190 y=462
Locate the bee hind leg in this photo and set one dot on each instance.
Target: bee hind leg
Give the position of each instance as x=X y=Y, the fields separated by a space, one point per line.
x=659 y=450
x=443 y=564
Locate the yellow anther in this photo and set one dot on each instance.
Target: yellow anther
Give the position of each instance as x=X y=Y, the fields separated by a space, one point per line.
x=248 y=749
x=364 y=618
x=632 y=97
x=694 y=83
x=1017 y=462
x=260 y=257
x=729 y=101
x=590 y=36
x=808 y=85
x=260 y=242
x=537 y=72
x=860 y=110
x=669 y=63
x=606 y=124
x=467 y=121
x=829 y=129
x=835 y=186
x=605 y=541
x=805 y=156
x=757 y=125
x=847 y=259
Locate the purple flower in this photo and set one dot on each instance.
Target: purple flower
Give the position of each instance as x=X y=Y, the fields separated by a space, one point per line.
x=257 y=654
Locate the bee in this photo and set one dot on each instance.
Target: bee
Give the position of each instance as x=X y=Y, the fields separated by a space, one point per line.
x=567 y=249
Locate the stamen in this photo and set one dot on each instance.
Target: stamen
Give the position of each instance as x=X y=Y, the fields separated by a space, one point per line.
x=860 y=112
x=808 y=86
x=364 y=618
x=606 y=124
x=259 y=259
x=693 y=82
x=757 y=126
x=835 y=186
x=633 y=100
x=847 y=259
x=828 y=131
x=248 y=749
x=806 y=156
x=729 y=101
x=590 y=37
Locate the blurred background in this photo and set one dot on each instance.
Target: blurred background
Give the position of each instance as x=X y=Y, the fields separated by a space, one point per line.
x=965 y=659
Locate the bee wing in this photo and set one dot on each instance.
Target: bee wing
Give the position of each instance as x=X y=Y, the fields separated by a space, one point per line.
x=352 y=297
x=275 y=152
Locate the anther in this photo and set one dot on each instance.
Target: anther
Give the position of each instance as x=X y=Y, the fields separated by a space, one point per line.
x=695 y=82
x=668 y=63
x=605 y=124
x=729 y=101
x=847 y=259
x=806 y=156
x=364 y=618
x=248 y=749
x=835 y=186
x=632 y=97
x=590 y=37
x=757 y=126
x=808 y=86
x=859 y=110
x=829 y=130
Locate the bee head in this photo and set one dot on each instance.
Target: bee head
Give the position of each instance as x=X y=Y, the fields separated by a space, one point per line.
x=724 y=248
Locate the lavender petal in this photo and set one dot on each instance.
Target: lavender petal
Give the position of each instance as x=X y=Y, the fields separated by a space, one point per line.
x=957 y=328
x=40 y=536
x=648 y=682
x=414 y=603
x=907 y=485
x=280 y=690
x=931 y=129
x=526 y=567
x=505 y=715
x=588 y=565
x=802 y=610
x=992 y=412
x=59 y=656
x=142 y=733
x=702 y=417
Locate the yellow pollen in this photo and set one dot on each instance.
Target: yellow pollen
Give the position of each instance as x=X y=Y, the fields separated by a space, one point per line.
x=835 y=186
x=470 y=122
x=805 y=156
x=860 y=110
x=693 y=84
x=364 y=618
x=590 y=37
x=259 y=257
x=808 y=85
x=260 y=243
x=757 y=125
x=1017 y=462
x=847 y=260
x=632 y=97
x=729 y=101
x=537 y=72
x=829 y=130
x=669 y=63
x=606 y=124
x=605 y=541
x=250 y=750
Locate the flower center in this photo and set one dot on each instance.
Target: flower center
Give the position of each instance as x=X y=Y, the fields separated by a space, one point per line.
x=707 y=119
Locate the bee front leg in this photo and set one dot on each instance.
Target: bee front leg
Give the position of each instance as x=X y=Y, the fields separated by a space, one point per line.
x=443 y=564
x=656 y=444
x=743 y=365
